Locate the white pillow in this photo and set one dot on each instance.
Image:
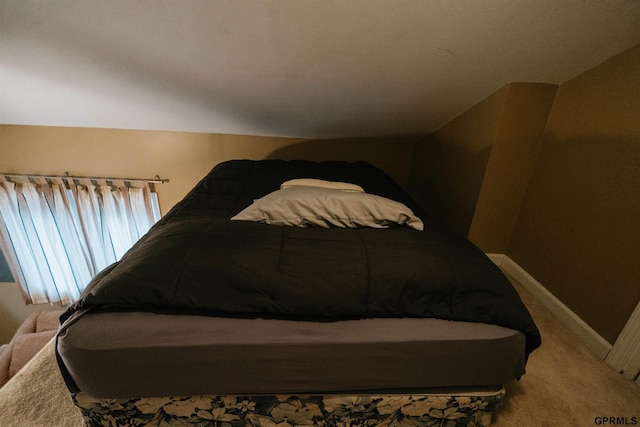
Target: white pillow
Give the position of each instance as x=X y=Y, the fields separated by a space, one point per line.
x=312 y=182
x=314 y=206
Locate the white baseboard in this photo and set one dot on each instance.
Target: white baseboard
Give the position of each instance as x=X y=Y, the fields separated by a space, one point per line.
x=496 y=259
x=591 y=338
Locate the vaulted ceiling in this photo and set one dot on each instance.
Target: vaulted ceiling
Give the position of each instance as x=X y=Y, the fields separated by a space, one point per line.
x=303 y=68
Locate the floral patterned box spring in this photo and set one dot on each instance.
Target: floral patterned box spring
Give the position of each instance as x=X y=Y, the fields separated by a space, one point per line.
x=418 y=410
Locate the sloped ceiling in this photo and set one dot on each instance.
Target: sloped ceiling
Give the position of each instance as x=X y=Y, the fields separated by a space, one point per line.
x=302 y=68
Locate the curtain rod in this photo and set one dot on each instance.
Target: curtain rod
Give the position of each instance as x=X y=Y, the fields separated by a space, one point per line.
x=155 y=180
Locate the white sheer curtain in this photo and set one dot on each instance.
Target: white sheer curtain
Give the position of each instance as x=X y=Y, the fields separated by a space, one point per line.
x=60 y=234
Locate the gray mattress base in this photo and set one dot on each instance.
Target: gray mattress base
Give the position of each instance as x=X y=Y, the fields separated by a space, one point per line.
x=141 y=354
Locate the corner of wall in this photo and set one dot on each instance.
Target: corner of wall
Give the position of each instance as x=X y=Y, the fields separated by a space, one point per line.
x=513 y=155
x=449 y=164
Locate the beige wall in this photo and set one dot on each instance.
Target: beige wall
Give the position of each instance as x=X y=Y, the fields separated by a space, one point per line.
x=579 y=228
x=13 y=310
x=184 y=158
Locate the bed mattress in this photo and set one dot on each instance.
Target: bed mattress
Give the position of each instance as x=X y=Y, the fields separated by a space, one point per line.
x=205 y=304
x=117 y=355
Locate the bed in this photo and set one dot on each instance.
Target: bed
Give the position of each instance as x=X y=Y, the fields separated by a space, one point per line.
x=296 y=293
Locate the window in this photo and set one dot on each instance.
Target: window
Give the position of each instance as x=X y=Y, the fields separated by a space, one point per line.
x=5 y=271
x=58 y=233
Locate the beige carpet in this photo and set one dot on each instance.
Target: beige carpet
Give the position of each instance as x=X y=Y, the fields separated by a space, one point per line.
x=565 y=385
x=37 y=396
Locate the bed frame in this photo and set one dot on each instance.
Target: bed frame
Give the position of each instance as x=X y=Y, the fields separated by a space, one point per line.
x=436 y=408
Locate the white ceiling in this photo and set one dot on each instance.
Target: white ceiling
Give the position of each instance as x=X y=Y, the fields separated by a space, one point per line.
x=303 y=68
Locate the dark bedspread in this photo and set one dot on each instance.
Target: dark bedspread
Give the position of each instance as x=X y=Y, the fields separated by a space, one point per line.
x=196 y=258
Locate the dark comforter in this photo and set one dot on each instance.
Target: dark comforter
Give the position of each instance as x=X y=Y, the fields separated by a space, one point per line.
x=195 y=258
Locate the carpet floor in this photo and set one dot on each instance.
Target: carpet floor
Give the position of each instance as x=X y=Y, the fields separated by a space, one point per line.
x=565 y=385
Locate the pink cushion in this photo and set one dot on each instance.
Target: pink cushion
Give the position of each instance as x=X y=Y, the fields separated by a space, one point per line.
x=48 y=320
x=25 y=347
